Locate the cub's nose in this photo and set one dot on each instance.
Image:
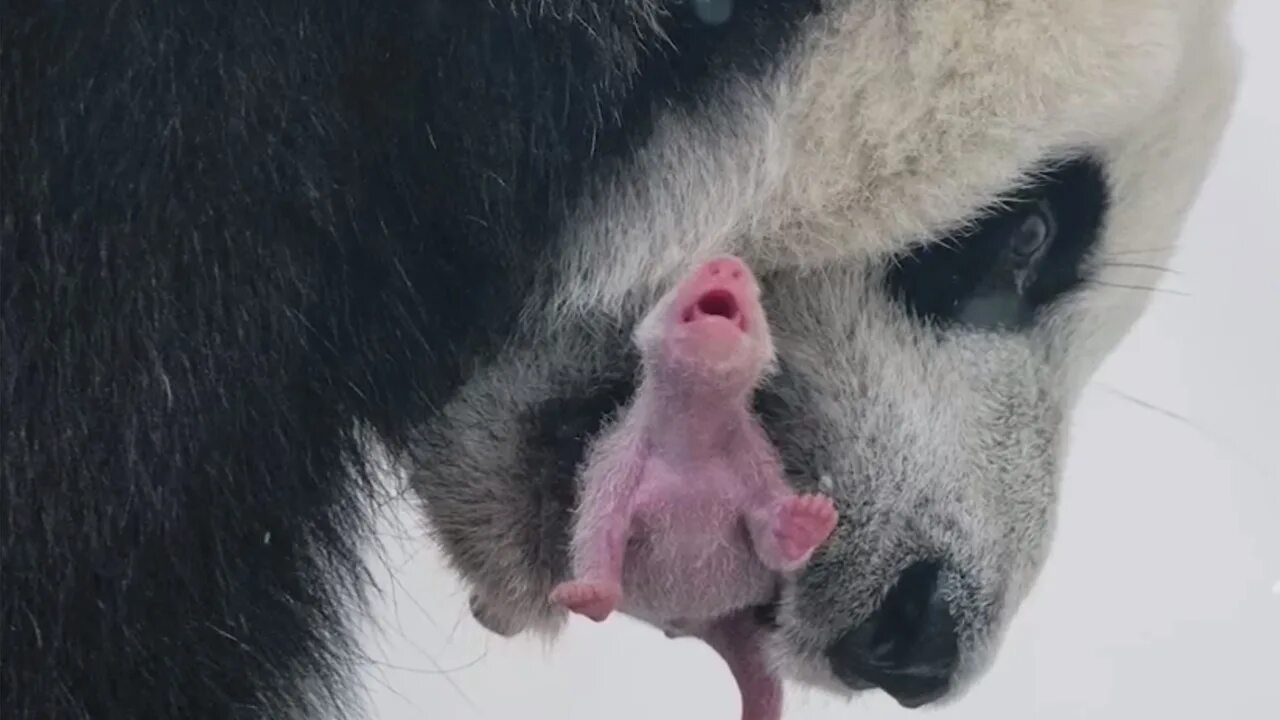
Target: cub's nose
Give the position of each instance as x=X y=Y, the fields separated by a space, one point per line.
x=725 y=268
x=721 y=287
x=908 y=647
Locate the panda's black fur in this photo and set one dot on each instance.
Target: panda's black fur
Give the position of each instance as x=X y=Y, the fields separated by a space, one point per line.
x=241 y=240
x=233 y=234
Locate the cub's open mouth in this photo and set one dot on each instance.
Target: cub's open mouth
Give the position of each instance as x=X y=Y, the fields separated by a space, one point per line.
x=716 y=303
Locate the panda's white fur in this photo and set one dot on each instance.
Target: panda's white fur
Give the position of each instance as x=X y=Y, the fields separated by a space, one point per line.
x=235 y=237
x=893 y=121
x=889 y=122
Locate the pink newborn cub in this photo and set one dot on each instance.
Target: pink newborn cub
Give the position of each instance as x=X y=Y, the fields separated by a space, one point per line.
x=685 y=520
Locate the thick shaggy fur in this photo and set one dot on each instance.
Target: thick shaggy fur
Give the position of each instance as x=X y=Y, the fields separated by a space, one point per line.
x=235 y=237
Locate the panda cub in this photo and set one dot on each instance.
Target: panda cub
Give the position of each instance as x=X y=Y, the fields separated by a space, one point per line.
x=686 y=520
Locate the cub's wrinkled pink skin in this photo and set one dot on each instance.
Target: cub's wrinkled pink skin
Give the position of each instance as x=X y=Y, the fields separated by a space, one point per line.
x=685 y=519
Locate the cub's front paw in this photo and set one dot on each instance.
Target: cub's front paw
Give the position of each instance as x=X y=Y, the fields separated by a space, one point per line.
x=593 y=599
x=802 y=524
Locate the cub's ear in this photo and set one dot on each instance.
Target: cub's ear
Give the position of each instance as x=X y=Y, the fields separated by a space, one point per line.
x=764 y=331
x=771 y=366
x=648 y=333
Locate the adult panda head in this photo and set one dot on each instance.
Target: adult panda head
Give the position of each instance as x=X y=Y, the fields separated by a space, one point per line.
x=955 y=208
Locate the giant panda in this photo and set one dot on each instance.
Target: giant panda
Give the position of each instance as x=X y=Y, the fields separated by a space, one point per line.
x=245 y=242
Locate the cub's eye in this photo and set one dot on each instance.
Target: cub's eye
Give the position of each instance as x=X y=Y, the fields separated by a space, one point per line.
x=1012 y=262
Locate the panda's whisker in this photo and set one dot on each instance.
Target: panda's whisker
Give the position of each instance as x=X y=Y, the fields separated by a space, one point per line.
x=1140 y=266
x=1141 y=251
x=1146 y=405
x=1140 y=288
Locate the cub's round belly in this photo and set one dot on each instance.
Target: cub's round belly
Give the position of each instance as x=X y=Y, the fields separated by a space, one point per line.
x=692 y=565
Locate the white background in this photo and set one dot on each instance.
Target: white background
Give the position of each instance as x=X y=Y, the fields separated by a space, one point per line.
x=1161 y=598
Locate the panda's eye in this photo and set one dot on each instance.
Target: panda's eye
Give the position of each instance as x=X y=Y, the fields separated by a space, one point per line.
x=713 y=12
x=1013 y=261
x=1032 y=236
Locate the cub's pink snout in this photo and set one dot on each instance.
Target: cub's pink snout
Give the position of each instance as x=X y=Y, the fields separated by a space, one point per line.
x=719 y=288
x=716 y=304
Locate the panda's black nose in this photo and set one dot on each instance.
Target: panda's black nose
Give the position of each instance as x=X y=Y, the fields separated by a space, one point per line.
x=908 y=647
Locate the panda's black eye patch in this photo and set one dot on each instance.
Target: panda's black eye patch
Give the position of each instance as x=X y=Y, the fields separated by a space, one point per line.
x=1014 y=260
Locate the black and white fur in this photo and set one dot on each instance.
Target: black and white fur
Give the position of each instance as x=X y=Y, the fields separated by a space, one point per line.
x=239 y=239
